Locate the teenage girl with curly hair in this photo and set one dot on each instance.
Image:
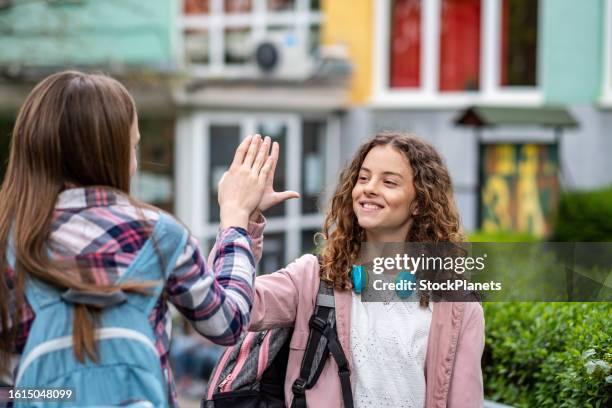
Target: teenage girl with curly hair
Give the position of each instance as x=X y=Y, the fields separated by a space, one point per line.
x=401 y=354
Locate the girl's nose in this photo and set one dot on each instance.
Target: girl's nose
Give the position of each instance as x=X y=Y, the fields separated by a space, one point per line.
x=371 y=187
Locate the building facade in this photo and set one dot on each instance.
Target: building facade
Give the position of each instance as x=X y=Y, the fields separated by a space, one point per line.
x=323 y=76
x=433 y=59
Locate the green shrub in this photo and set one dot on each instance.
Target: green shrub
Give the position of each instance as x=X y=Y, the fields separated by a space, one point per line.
x=584 y=217
x=501 y=236
x=548 y=354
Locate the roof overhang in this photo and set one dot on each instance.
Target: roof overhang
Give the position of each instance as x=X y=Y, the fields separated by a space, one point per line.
x=493 y=116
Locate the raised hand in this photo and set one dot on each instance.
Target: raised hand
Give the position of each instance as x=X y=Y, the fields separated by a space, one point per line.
x=270 y=197
x=242 y=186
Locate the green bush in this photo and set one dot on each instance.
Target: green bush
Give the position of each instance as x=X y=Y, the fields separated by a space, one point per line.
x=584 y=217
x=501 y=236
x=548 y=354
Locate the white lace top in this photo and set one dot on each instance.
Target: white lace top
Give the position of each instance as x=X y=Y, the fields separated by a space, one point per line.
x=388 y=346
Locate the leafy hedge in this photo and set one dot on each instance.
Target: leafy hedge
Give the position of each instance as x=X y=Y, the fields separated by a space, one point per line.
x=584 y=217
x=548 y=354
x=501 y=236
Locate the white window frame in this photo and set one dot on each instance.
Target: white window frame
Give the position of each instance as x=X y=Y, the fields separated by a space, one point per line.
x=606 y=92
x=301 y=19
x=192 y=172
x=428 y=95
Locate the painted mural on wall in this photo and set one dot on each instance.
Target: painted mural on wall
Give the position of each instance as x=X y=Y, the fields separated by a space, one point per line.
x=520 y=187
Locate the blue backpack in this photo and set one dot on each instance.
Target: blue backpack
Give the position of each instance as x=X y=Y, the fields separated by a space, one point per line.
x=128 y=372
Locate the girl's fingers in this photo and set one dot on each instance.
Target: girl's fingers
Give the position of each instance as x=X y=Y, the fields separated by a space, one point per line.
x=265 y=170
x=241 y=151
x=252 y=152
x=264 y=149
x=274 y=156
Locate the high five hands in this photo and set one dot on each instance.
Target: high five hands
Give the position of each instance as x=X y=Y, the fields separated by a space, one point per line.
x=247 y=186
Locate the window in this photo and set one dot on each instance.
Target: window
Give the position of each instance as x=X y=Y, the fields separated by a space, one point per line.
x=281 y=5
x=313 y=164
x=273 y=256
x=466 y=51
x=238 y=6
x=518 y=51
x=153 y=182
x=460 y=45
x=223 y=142
x=405 y=44
x=205 y=146
x=220 y=36
x=310 y=240
x=277 y=130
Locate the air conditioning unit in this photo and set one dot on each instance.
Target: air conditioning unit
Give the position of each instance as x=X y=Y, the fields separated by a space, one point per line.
x=283 y=56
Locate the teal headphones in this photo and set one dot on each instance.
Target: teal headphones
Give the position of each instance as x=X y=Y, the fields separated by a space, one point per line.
x=360 y=278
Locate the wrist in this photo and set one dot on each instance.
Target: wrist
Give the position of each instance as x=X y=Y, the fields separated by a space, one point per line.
x=234 y=218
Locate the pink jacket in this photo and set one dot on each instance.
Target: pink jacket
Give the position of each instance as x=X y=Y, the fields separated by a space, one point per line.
x=454 y=349
x=455 y=345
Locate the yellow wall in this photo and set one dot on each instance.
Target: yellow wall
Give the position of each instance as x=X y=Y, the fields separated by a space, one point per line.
x=351 y=22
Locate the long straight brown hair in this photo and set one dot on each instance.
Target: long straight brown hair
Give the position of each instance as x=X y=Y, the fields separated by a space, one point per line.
x=73 y=129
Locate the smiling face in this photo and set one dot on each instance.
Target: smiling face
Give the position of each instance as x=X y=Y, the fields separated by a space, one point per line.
x=383 y=194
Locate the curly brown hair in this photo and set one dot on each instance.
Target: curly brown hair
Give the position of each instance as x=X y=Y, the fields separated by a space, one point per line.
x=436 y=221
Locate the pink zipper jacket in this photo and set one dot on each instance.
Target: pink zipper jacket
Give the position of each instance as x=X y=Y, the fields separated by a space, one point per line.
x=287 y=297
x=455 y=344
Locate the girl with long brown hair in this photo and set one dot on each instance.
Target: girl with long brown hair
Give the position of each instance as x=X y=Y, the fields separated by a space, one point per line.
x=418 y=353
x=69 y=226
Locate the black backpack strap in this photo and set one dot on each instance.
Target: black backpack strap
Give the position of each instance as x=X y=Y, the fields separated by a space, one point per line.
x=322 y=340
x=343 y=367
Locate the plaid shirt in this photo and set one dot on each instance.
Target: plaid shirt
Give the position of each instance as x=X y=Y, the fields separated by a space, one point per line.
x=103 y=230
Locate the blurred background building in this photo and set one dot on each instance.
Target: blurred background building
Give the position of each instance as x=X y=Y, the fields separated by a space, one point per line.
x=516 y=94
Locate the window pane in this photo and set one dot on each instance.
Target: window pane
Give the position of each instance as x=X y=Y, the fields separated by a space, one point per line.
x=237 y=45
x=277 y=130
x=315 y=5
x=460 y=45
x=196 y=6
x=519 y=47
x=314 y=40
x=281 y=5
x=223 y=142
x=197 y=46
x=405 y=44
x=238 y=6
x=273 y=257
x=156 y=163
x=308 y=241
x=313 y=164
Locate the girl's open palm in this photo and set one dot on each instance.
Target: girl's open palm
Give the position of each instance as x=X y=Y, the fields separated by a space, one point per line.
x=242 y=185
x=270 y=197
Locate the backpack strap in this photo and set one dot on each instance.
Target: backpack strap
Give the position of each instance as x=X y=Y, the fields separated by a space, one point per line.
x=322 y=340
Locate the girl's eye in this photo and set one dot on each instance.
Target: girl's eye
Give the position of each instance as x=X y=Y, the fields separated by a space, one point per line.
x=390 y=183
x=362 y=178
